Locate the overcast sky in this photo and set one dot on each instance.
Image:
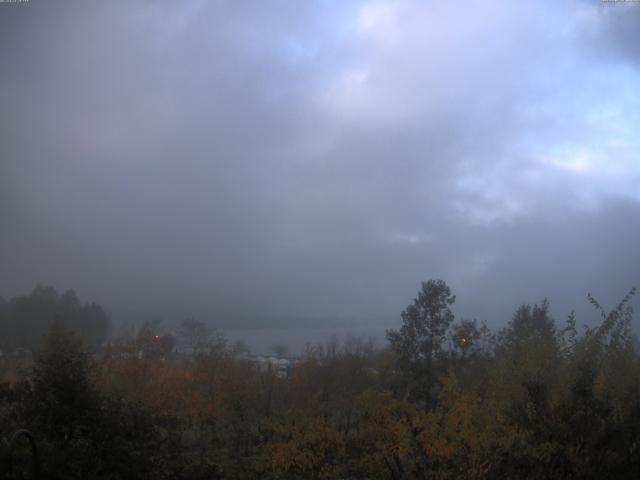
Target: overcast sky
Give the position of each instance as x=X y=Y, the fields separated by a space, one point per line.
x=318 y=159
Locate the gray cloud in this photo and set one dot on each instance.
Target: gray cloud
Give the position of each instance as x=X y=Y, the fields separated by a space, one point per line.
x=319 y=160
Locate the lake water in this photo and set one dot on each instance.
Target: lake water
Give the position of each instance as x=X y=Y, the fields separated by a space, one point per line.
x=261 y=340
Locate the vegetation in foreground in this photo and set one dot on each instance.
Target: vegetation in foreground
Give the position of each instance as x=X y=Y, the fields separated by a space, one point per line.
x=446 y=400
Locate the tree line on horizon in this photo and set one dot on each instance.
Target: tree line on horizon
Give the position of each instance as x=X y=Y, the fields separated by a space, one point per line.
x=446 y=399
x=26 y=319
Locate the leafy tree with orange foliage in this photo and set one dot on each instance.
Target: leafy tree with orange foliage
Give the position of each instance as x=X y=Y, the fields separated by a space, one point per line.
x=300 y=447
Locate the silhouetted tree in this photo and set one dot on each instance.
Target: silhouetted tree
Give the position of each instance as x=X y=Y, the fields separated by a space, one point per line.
x=64 y=398
x=63 y=405
x=195 y=335
x=529 y=325
x=423 y=332
x=280 y=350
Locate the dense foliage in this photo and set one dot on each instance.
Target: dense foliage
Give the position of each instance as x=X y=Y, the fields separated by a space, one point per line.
x=447 y=400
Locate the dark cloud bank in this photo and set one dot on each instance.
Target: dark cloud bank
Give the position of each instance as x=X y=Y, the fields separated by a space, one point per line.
x=273 y=162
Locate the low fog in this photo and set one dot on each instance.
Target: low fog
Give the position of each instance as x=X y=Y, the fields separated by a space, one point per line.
x=310 y=163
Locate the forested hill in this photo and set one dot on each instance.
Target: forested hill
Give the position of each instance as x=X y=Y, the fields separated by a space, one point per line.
x=24 y=320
